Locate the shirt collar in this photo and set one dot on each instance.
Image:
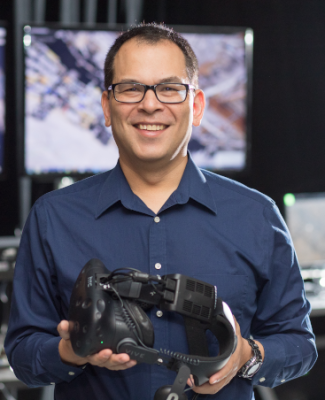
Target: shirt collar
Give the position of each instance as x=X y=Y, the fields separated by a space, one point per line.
x=193 y=185
x=115 y=188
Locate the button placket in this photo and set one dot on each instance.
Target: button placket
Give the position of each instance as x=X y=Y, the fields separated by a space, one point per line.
x=157 y=262
x=157 y=246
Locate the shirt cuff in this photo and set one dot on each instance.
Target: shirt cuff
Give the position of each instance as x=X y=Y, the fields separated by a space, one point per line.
x=273 y=364
x=51 y=362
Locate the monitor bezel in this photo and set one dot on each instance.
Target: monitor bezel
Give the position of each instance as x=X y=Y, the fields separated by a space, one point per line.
x=231 y=173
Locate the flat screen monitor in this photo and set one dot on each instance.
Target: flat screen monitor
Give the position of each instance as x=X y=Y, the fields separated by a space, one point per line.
x=305 y=216
x=64 y=130
x=2 y=95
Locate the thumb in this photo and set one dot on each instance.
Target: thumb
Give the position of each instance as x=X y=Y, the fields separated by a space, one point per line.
x=63 y=329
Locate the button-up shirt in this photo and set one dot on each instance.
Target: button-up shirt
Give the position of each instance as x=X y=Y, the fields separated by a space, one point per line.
x=211 y=228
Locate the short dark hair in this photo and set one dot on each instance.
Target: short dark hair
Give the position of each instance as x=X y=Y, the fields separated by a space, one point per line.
x=152 y=33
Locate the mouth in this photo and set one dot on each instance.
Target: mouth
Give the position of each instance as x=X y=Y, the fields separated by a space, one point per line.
x=151 y=127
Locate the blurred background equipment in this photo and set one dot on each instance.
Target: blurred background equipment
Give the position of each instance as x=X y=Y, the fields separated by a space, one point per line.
x=305 y=216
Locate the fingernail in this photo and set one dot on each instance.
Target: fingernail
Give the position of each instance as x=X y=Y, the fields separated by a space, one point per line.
x=218 y=380
x=131 y=364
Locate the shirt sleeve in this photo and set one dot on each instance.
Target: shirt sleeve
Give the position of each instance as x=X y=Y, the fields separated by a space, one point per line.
x=32 y=339
x=282 y=322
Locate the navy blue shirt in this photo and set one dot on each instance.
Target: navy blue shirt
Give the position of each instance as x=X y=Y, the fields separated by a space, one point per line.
x=210 y=228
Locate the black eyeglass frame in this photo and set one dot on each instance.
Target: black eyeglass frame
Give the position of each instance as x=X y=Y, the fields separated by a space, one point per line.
x=188 y=87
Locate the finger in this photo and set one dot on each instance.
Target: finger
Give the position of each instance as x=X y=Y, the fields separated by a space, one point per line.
x=119 y=359
x=119 y=367
x=119 y=362
x=237 y=327
x=223 y=373
x=217 y=378
x=100 y=358
x=208 y=388
x=106 y=358
x=63 y=329
x=190 y=381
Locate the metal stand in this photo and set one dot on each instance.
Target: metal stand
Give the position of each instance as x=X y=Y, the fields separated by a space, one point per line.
x=5 y=392
x=25 y=199
x=69 y=11
x=133 y=11
x=266 y=393
x=112 y=11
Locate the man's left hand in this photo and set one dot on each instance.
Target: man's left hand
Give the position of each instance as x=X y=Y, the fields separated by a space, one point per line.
x=242 y=354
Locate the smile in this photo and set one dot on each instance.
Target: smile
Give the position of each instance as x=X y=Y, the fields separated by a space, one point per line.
x=151 y=127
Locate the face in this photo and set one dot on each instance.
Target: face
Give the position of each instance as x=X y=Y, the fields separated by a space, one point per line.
x=151 y=131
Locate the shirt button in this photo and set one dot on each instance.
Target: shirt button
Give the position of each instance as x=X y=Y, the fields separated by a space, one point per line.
x=283 y=380
x=159 y=313
x=71 y=373
x=156 y=219
x=157 y=265
x=262 y=379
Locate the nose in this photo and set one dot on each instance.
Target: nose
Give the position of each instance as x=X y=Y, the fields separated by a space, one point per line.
x=150 y=103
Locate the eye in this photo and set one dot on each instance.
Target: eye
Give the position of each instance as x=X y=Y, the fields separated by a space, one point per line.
x=132 y=89
x=169 y=88
x=128 y=88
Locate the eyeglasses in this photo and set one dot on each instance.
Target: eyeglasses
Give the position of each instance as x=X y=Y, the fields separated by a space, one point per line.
x=170 y=93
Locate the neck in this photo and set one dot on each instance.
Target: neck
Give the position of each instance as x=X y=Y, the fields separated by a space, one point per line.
x=154 y=183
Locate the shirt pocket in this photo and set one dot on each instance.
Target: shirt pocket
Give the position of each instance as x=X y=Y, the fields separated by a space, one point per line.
x=232 y=289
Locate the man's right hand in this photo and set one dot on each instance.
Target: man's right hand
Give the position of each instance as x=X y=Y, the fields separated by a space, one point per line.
x=105 y=358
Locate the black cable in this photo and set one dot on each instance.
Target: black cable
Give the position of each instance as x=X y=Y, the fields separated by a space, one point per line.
x=120 y=278
x=118 y=296
x=156 y=289
x=125 y=311
x=121 y=269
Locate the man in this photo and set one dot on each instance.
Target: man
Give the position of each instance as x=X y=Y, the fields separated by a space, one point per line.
x=156 y=211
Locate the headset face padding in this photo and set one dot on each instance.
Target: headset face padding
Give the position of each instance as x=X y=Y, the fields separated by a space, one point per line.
x=141 y=321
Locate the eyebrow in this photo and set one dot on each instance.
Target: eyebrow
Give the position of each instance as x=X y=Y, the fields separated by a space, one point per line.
x=168 y=79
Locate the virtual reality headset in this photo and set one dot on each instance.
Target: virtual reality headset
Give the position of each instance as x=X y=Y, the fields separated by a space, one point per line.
x=107 y=311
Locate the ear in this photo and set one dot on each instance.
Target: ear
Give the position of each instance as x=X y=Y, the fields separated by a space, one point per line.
x=106 y=108
x=198 y=107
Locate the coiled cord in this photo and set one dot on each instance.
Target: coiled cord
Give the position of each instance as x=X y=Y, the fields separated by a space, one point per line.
x=127 y=319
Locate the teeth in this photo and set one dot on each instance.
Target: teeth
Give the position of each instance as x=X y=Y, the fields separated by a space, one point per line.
x=151 y=127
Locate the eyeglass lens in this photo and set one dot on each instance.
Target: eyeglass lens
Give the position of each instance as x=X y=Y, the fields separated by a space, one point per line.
x=134 y=92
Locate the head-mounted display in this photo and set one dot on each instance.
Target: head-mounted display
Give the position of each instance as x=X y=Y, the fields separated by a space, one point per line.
x=107 y=311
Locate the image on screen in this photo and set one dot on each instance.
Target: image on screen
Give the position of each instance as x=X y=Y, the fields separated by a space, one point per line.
x=2 y=94
x=64 y=124
x=305 y=217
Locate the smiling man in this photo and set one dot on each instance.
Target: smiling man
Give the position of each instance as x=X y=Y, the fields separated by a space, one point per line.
x=152 y=127
x=157 y=212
